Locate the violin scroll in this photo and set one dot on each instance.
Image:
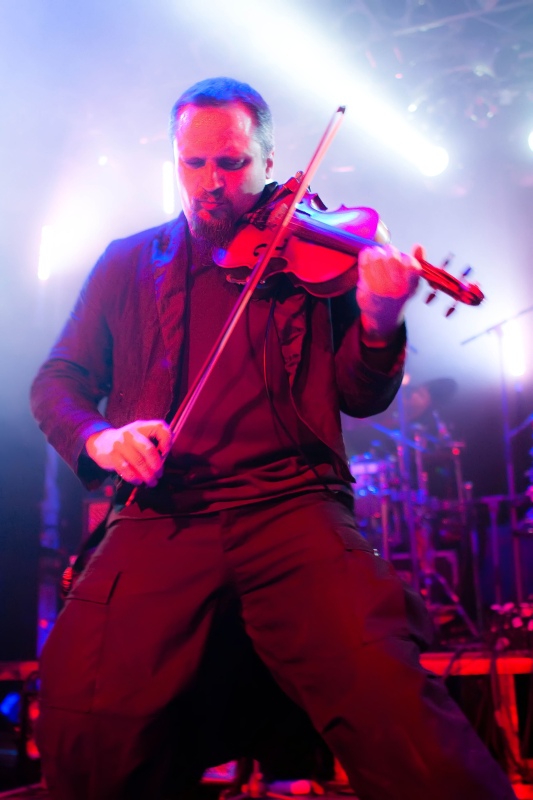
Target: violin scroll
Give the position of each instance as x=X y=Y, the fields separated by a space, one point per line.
x=468 y=293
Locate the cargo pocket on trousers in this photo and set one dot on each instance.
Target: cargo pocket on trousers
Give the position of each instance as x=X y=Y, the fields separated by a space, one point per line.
x=70 y=662
x=352 y=539
x=348 y=533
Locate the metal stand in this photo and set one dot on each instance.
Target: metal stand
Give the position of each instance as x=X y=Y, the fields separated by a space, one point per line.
x=473 y=542
x=493 y=504
x=508 y=435
x=385 y=519
x=403 y=463
x=525 y=526
x=417 y=512
x=430 y=575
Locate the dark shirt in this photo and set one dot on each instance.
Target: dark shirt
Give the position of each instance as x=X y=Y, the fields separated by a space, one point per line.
x=243 y=441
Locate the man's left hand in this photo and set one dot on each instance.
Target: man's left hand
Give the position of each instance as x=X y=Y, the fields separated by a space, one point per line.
x=387 y=279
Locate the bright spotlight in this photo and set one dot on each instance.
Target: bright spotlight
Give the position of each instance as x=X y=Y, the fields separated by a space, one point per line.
x=45 y=253
x=333 y=82
x=168 y=188
x=71 y=235
x=433 y=161
x=530 y=140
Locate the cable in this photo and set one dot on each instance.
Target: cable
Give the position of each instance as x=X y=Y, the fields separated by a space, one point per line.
x=275 y=412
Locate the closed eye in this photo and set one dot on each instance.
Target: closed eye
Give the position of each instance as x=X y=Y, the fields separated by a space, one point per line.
x=232 y=163
x=194 y=163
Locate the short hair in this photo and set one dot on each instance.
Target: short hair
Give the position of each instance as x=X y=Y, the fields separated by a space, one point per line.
x=222 y=92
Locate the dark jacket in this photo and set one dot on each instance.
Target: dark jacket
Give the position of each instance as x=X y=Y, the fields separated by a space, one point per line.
x=124 y=341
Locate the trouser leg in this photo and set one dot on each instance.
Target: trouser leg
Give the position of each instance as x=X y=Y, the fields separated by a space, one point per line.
x=115 y=722
x=334 y=624
x=94 y=756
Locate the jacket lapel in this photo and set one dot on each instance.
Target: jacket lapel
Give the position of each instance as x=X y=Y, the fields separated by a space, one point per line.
x=169 y=267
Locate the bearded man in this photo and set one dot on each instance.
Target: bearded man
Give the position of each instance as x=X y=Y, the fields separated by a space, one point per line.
x=248 y=513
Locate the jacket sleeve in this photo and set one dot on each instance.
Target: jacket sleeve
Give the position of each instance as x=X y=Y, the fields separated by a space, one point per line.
x=367 y=378
x=75 y=378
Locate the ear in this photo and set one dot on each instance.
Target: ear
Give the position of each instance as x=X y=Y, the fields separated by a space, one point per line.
x=269 y=165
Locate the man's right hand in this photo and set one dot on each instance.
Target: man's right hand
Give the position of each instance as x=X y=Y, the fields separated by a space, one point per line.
x=130 y=451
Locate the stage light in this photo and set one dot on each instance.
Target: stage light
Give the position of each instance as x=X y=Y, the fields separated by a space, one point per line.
x=315 y=65
x=10 y=706
x=433 y=161
x=45 y=253
x=103 y=161
x=72 y=239
x=168 y=188
x=530 y=140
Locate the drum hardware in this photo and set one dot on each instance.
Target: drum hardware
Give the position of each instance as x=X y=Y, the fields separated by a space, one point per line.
x=411 y=437
x=430 y=576
x=402 y=444
x=375 y=481
x=417 y=402
x=419 y=511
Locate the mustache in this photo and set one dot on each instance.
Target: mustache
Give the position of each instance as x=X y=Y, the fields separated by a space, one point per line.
x=211 y=197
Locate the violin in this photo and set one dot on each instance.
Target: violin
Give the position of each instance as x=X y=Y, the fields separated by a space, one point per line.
x=319 y=248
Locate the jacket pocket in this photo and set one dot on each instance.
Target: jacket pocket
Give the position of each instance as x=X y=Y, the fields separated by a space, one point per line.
x=71 y=658
x=94 y=588
x=352 y=539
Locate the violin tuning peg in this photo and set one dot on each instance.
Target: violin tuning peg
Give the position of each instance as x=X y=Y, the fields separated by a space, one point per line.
x=447 y=261
x=431 y=296
x=450 y=310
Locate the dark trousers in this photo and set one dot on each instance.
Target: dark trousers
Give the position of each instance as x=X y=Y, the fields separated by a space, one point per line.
x=123 y=711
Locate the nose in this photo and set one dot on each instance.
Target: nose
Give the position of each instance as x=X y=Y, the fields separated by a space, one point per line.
x=212 y=178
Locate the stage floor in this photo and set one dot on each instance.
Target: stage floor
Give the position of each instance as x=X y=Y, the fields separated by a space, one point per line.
x=504 y=668
x=211 y=792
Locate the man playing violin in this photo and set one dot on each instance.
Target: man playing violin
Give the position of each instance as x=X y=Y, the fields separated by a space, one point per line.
x=248 y=513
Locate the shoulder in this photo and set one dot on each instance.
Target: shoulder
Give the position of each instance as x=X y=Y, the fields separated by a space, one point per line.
x=135 y=254
x=145 y=241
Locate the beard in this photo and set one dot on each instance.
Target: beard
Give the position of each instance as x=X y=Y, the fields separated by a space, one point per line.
x=215 y=232
x=217 y=229
x=209 y=235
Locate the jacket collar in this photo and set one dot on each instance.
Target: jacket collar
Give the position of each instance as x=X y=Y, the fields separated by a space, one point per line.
x=169 y=262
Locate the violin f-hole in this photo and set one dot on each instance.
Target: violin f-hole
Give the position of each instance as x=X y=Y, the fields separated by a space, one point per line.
x=260 y=247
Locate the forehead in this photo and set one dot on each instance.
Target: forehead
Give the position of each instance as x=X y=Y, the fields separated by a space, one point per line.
x=216 y=129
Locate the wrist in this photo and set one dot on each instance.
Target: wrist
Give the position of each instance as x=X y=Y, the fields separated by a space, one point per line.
x=90 y=447
x=374 y=333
